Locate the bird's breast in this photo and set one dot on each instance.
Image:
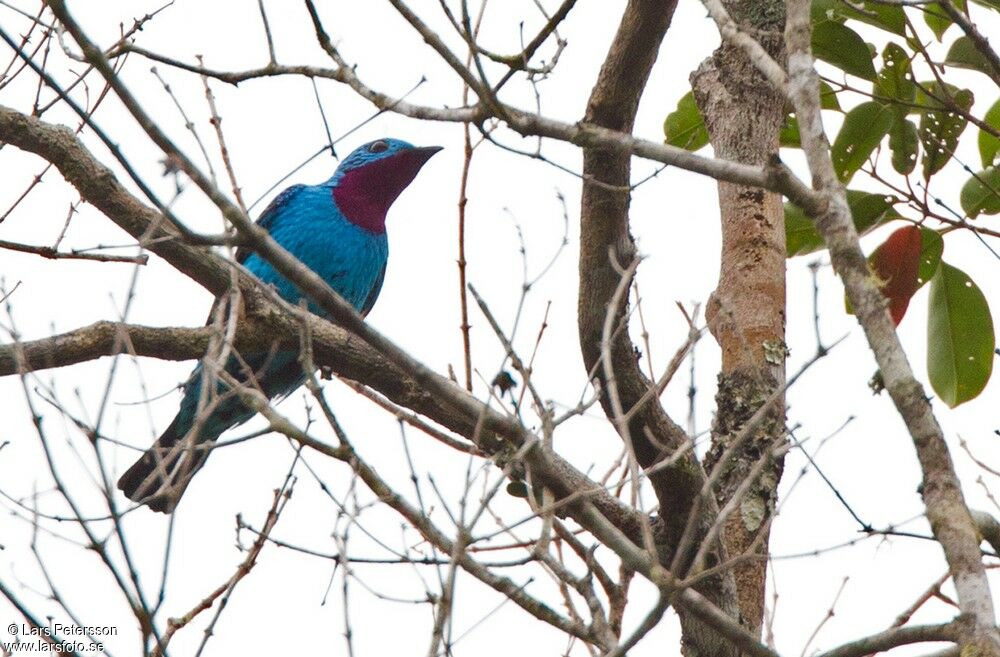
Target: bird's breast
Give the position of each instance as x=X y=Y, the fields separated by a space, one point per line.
x=349 y=258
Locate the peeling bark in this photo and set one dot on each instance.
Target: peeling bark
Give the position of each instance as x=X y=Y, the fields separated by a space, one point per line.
x=746 y=313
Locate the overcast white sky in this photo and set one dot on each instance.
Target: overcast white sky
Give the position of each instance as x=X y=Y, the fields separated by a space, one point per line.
x=271 y=125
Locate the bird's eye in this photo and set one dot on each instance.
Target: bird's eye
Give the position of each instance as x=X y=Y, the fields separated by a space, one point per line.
x=378 y=147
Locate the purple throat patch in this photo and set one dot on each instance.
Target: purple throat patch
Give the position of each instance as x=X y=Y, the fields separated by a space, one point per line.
x=365 y=194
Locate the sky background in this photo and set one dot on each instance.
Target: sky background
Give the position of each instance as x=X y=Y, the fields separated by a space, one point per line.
x=287 y=605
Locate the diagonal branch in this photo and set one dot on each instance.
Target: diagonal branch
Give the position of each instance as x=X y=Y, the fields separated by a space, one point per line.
x=54 y=254
x=947 y=512
x=776 y=178
x=267 y=320
x=979 y=40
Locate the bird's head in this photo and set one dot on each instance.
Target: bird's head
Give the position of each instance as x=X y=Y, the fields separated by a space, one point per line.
x=373 y=176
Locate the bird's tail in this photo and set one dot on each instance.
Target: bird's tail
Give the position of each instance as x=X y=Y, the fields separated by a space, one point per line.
x=160 y=476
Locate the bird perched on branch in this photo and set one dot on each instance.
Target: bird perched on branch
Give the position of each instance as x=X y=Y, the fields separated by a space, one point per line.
x=337 y=229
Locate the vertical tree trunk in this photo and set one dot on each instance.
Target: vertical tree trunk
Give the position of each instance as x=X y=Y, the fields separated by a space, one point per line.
x=746 y=313
x=606 y=246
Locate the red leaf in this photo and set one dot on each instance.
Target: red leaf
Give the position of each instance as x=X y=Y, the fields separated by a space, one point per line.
x=896 y=263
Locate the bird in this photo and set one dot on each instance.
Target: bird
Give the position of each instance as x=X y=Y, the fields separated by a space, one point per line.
x=337 y=229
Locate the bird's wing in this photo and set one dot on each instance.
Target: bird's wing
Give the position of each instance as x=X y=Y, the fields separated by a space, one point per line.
x=376 y=288
x=267 y=217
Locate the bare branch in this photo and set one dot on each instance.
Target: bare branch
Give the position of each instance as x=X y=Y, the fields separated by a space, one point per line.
x=947 y=512
x=53 y=254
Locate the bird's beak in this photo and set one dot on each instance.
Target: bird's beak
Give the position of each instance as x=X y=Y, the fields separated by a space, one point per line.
x=413 y=159
x=426 y=152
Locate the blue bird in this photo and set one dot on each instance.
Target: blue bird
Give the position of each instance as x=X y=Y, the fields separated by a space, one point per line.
x=337 y=229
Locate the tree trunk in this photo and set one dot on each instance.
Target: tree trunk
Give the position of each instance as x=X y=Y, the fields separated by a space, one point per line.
x=606 y=248
x=746 y=313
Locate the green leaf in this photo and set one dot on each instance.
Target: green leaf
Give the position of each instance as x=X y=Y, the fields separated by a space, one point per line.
x=904 y=144
x=789 y=135
x=881 y=15
x=825 y=10
x=828 y=97
x=931 y=96
x=964 y=54
x=895 y=80
x=981 y=193
x=841 y=46
x=988 y=143
x=940 y=129
x=685 y=126
x=868 y=211
x=863 y=130
x=991 y=4
x=936 y=19
x=801 y=236
x=960 y=338
x=888 y=17
x=932 y=247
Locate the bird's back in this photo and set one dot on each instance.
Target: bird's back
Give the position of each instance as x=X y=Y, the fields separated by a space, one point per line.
x=309 y=225
x=349 y=252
